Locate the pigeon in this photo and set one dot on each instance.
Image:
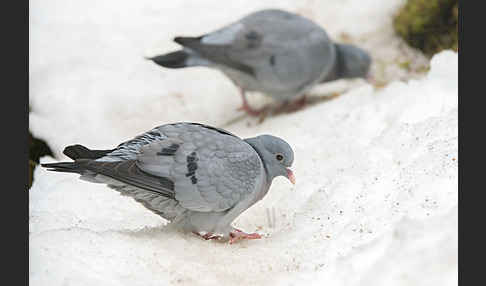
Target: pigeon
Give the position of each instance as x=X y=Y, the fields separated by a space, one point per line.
x=198 y=177
x=275 y=52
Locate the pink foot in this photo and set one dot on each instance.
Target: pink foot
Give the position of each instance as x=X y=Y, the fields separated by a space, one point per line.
x=238 y=234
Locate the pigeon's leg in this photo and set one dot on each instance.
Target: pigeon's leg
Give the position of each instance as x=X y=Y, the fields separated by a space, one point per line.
x=207 y=236
x=247 y=108
x=237 y=234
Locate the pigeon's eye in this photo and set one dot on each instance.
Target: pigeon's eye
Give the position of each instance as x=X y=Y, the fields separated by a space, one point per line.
x=252 y=36
x=279 y=157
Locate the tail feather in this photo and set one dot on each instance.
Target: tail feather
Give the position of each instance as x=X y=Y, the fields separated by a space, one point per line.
x=80 y=152
x=188 y=41
x=214 y=53
x=172 y=60
x=210 y=51
x=66 y=167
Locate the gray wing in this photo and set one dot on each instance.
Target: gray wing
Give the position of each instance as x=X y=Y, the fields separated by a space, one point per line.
x=127 y=172
x=201 y=167
x=129 y=150
x=275 y=46
x=211 y=171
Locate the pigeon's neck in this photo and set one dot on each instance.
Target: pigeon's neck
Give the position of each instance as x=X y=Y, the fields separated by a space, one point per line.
x=338 y=70
x=343 y=68
x=334 y=74
x=258 y=146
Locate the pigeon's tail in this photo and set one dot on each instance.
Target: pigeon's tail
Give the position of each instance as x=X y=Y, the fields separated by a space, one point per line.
x=172 y=60
x=204 y=54
x=190 y=42
x=80 y=152
x=78 y=167
x=66 y=167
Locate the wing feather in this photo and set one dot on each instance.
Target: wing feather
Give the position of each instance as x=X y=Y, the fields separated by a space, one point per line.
x=201 y=168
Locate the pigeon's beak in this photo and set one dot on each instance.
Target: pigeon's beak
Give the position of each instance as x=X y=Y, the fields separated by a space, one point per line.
x=291 y=176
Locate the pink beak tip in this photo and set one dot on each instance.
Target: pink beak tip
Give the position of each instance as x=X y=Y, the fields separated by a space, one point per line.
x=291 y=176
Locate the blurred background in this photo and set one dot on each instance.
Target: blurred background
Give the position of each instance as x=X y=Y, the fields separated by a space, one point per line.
x=66 y=35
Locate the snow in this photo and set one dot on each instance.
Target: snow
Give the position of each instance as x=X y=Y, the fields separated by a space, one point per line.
x=376 y=196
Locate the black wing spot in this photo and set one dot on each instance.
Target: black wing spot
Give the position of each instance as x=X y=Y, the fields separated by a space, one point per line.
x=168 y=151
x=190 y=174
x=192 y=167
x=272 y=60
x=192 y=157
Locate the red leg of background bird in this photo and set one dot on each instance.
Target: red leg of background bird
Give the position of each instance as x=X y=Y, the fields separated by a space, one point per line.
x=247 y=108
x=244 y=103
x=237 y=234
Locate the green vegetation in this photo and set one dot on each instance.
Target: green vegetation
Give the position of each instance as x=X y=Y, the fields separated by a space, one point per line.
x=428 y=25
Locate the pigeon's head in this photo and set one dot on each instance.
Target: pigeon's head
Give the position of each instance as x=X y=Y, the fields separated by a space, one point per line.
x=354 y=62
x=276 y=154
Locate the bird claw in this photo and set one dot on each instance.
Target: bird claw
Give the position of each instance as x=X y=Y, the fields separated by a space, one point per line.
x=235 y=235
x=208 y=235
x=238 y=234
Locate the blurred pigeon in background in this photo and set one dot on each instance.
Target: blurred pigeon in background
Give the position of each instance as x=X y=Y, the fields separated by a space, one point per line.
x=275 y=52
x=198 y=177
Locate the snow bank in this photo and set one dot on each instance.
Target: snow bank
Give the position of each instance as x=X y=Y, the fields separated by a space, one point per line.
x=376 y=196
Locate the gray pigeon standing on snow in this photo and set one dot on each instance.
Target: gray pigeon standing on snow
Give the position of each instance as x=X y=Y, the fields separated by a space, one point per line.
x=198 y=177
x=271 y=51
